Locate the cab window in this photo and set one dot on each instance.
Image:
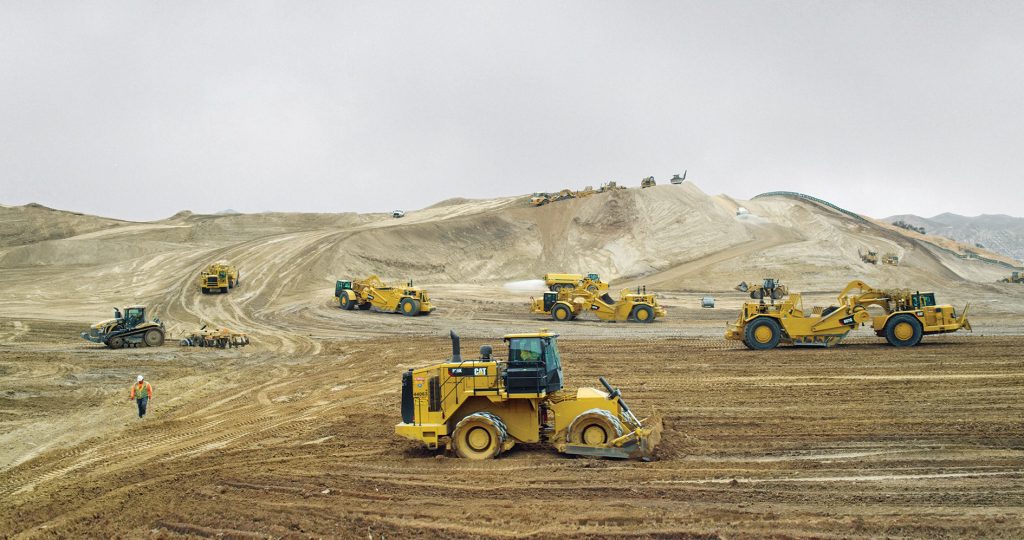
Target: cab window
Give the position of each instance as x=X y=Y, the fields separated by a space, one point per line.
x=525 y=350
x=551 y=353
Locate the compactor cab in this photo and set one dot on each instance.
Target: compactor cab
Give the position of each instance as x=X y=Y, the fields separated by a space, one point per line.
x=533 y=365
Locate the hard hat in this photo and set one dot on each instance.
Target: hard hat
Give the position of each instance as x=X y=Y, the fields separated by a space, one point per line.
x=139 y=379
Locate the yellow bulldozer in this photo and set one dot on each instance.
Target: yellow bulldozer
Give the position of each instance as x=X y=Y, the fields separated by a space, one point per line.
x=891 y=259
x=218 y=277
x=592 y=282
x=568 y=304
x=611 y=185
x=211 y=335
x=130 y=329
x=648 y=182
x=902 y=317
x=540 y=199
x=372 y=292
x=481 y=408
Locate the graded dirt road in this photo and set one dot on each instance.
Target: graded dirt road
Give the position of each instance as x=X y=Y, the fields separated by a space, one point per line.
x=863 y=440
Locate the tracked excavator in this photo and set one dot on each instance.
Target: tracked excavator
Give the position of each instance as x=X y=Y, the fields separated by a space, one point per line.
x=480 y=408
x=903 y=317
x=568 y=304
x=372 y=292
x=130 y=329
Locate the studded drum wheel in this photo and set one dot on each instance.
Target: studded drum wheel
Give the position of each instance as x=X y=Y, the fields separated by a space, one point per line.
x=479 y=436
x=596 y=427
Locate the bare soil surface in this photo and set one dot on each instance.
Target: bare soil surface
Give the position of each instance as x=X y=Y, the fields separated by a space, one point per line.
x=293 y=436
x=863 y=440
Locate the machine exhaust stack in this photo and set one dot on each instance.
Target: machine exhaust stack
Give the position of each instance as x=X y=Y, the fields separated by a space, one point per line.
x=456 y=347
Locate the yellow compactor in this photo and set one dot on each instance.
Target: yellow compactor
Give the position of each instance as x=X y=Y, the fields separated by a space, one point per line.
x=481 y=408
x=372 y=292
x=568 y=304
x=900 y=316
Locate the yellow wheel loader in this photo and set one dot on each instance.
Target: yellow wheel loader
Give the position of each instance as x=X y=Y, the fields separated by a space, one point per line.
x=218 y=277
x=567 y=305
x=478 y=409
x=128 y=330
x=591 y=282
x=372 y=292
x=900 y=316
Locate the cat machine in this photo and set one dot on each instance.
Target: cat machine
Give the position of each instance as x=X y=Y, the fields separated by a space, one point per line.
x=480 y=408
x=901 y=316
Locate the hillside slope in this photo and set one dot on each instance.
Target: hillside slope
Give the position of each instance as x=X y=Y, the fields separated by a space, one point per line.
x=672 y=238
x=997 y=232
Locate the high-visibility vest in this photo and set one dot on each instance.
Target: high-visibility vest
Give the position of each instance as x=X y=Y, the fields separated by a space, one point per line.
x=142 y=390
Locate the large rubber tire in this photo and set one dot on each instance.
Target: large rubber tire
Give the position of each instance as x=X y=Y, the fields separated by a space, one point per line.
x=479 y=436
x=903 y=330
x=642 y=314
x=231 y=283
x=205 y=290
x=762 y=333
x=153 y=338
x=116 y=342
x=409 y=307
x=561 y=312
x=345 y=302
x=224 y=290
x=827 y=311
x=595 y=427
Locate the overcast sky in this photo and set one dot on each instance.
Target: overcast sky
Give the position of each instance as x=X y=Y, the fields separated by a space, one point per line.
x=140 y=109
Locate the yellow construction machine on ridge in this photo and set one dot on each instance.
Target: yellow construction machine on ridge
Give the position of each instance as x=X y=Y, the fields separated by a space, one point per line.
x=903 y=317
x=481 y=408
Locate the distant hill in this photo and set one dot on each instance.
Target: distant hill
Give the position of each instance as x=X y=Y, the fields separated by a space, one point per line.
x=32 y=223
x=997 y=232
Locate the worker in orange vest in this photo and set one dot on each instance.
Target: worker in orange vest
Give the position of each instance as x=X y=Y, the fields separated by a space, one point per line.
x=142 y=392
